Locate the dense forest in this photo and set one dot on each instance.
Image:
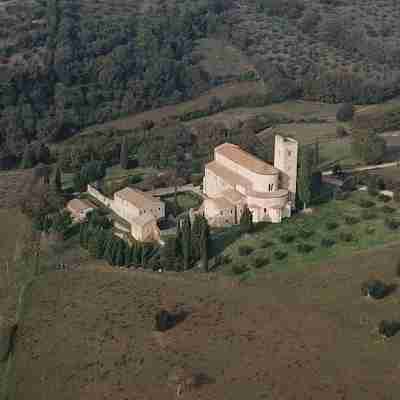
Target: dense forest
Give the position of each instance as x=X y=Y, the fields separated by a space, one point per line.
x=68 y=64
x=92 y=70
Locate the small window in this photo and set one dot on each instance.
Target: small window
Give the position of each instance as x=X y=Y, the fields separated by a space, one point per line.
x=265 y=210
x=289 y=153
x=221 y=212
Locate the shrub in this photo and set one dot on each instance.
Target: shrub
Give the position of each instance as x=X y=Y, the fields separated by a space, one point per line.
x=287 y=238
x=370 y=230
x=280 y=254
x=398 y=268
x=392 y=223
x=341 y=195
x=346 y=236
x=345 y=112
x=221 y=260
x=365 y=203
x=331 y=225
x=384 y=198
x=387 y=209
x=368 y=215
x=374 y=288
x=341 y=131
x=245 y=250
x=266 y=243
x=327 y=242
x=259 y=262
x=351 y=220
x=164 y=321
x=305 y=234
x=305 y=248
x=388 y=328
x=239 y=269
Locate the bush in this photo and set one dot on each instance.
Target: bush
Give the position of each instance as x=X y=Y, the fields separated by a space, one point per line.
x=345 y=112
x=327 y=242
x=392 y=223
x=287 y=238
x=245 y=250
x=398 y=268
x=266 y=243
x=305 y=234
x=365 y=203
x=370 y=230
x=239 y=269
x=304 y=248
x=384 y=198
x=341 y=131
x=164 y=321
x=388 y=328
x=259 y=262
x=346 y=236
x=374 y=288
x=388 y=210
x=351 y=220
x=368 y=215
x=341 y=195
x=280 y=254
x=221 y=260
x=331 y=225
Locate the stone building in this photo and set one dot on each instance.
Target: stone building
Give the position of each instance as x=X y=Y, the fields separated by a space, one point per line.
x=236 y=178
x=79 y=209
x=139 y=209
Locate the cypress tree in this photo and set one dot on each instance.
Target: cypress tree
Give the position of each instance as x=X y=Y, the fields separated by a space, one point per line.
x=195 y=237
x=168 y=254
x=205 y=244
x=57 y=180
x=128 y=255
x=246 y=220
x=120 y=253
x=109 y=249
x=92 y=243
x=304 y=177
x=28 y=159
x=186 y=242
x=101 y=238
x=124 y=161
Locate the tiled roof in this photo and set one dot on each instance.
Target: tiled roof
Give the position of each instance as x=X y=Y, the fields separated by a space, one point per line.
x=143 y=219
x=137 y=198
x=246 y=160
x=227 y=175
x=233 y=196
x=78 y=205
x=221 y=203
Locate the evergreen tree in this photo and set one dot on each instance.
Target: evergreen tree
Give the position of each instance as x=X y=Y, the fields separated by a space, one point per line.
x=57 y=180
x=120 y=253
x=109 y=249
x=179 y=238
x=316 y=155
x=195 y=237
x=168 y=254
x=29 y=158
x=42 y=154
x=205 y=245
x=246 y=220
x=101 y=239
x=124 y=160
x=186 y=242
x=304 y=176
x=92 y=243
x=128 y=255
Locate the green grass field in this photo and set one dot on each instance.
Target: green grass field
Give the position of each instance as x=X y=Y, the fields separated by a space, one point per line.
x=311 y=229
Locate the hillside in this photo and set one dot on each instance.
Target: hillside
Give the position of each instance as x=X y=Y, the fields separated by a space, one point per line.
x=66 y=65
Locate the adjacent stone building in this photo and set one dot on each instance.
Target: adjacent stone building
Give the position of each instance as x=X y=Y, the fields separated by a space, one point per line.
x=79 y=209
x=139 y=209
x=236 y=178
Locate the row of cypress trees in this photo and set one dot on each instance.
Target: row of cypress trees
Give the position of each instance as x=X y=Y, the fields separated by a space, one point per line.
x=103 y=244
x=190 y=245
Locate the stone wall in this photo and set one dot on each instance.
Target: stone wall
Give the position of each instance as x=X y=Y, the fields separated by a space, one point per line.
x=99 y=196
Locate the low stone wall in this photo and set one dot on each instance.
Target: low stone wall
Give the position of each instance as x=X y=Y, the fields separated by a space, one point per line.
x=99 y=196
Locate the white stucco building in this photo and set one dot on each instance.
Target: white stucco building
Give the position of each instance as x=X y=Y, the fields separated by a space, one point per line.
x=236 y=178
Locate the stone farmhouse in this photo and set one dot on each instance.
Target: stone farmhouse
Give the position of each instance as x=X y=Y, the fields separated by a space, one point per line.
x=79 y=209
x=139 y=209
x=236 y=178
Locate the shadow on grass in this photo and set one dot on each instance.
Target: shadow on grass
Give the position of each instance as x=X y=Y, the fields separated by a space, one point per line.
x=222 y=238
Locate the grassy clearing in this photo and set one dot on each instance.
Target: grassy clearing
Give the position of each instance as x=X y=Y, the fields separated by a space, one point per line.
x=185 y=201
x=297 y=242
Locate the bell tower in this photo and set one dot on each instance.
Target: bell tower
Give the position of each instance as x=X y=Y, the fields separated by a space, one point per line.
x=285 y=159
